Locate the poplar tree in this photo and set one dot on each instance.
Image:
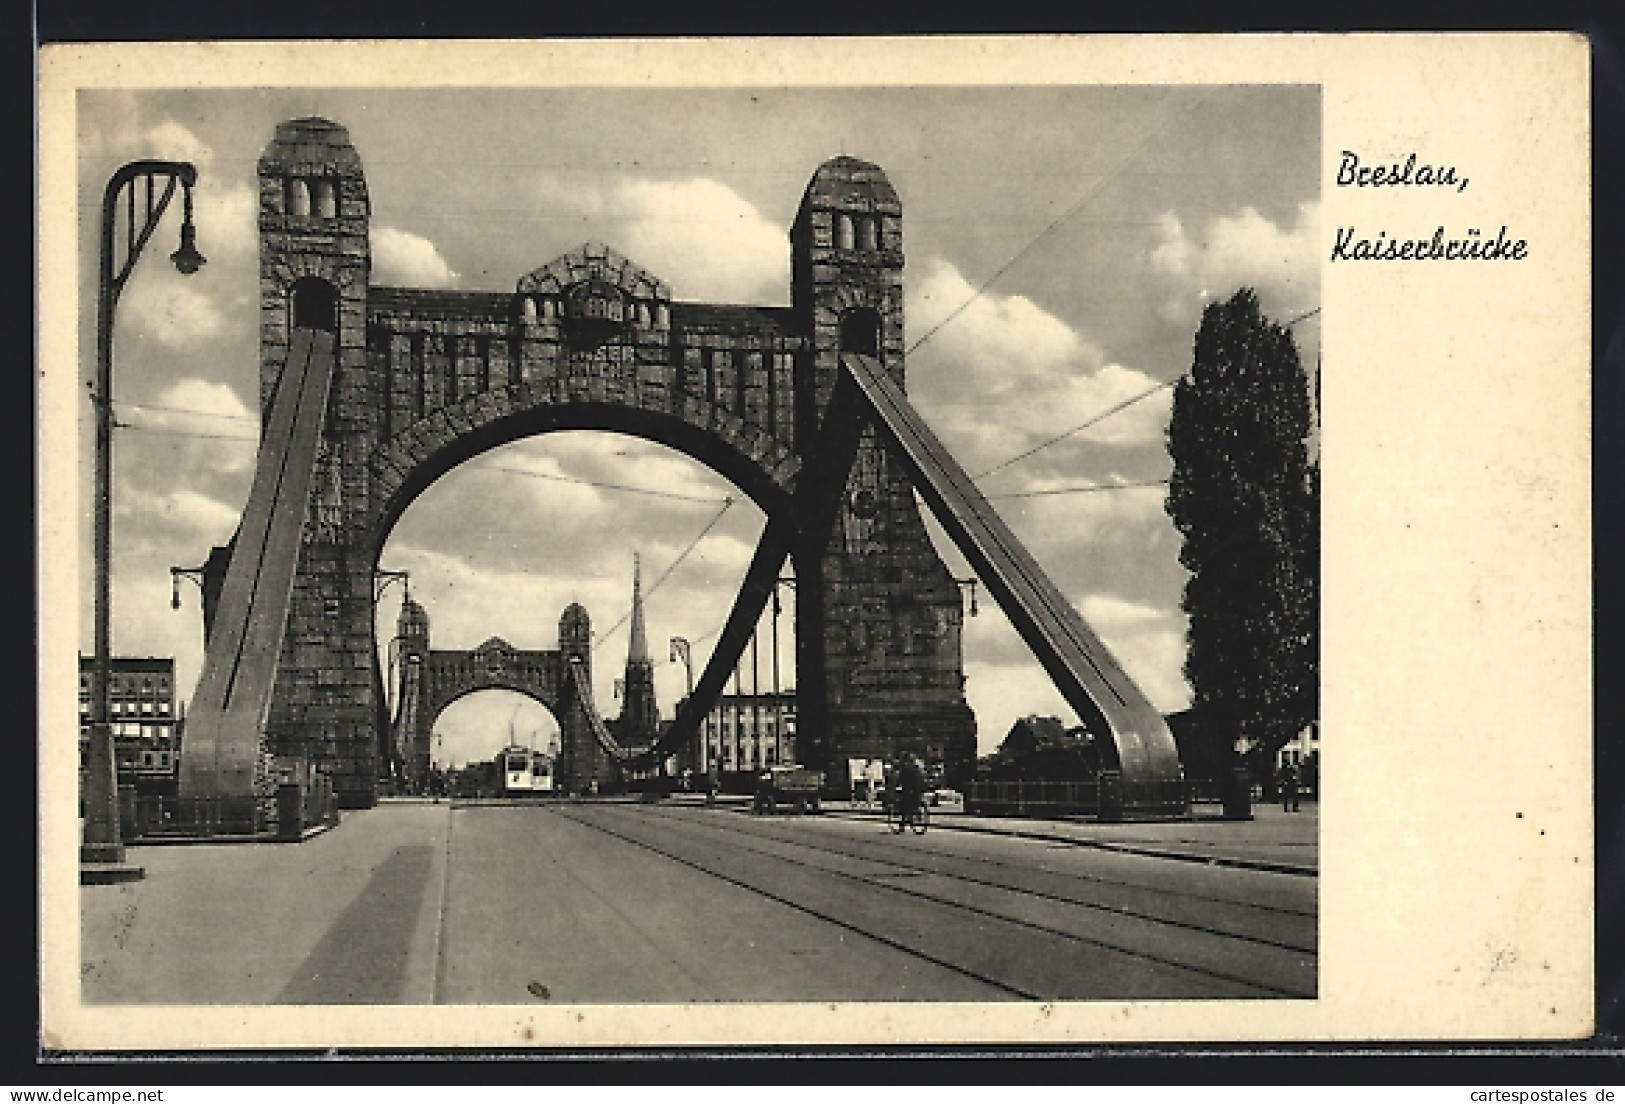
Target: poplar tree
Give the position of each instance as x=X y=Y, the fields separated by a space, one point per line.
x=1245 y=497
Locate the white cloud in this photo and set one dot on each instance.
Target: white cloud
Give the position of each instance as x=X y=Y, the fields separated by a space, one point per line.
x=1148 y=642
x=171 y=310
x=1062 y=521
x=1244 y=249
x=697 y=234
x=214 y=400
x=227 y=224
x=183 y=512
x=408 y=260
x=173 y=142
x=1014 y=375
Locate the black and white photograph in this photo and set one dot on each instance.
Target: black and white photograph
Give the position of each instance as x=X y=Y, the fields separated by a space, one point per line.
x=581 y=548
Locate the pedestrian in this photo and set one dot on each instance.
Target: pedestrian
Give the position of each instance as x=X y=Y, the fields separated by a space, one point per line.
x=1289 y=787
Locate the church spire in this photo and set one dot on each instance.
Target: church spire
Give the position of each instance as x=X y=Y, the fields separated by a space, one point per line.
x=638 y=650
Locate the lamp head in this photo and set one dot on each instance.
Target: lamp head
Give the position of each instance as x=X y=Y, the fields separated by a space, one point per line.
x=187 y=259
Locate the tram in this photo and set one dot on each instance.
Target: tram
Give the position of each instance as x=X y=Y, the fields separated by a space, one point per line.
x=524 y=771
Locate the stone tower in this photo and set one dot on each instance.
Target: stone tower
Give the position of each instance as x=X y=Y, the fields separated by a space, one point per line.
x=411 y=658
x=315 y=265
x=640 y=715
x=580 y=760
x=884 y=674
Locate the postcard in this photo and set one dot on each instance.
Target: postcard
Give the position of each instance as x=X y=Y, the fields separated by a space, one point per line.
x=795 y=542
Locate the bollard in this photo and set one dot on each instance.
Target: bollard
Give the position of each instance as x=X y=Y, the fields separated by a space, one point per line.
x=290 y=819
x=1109 y=808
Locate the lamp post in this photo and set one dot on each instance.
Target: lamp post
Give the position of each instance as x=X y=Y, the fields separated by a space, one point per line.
x=381 y=582
x=683 y=650
x=101 y=843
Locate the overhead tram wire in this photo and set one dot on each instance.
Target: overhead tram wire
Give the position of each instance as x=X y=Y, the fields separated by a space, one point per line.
x=1310 y=313
x=608 y=486
x=1124 y=405
x=1081 y=490
x=1105 y=179
x=599 y=484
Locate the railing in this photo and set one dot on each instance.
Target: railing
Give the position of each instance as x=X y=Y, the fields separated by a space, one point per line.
x=294 y=809
x=1020 y=797
x=154 y=817
x=1106 y=797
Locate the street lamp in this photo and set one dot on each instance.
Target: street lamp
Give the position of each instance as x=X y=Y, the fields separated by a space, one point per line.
x=683 y=650
x=101 y=843
x=176 y=574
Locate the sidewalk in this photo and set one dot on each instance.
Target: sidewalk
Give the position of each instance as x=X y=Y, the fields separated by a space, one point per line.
x=1286 y=843
x=259 y=923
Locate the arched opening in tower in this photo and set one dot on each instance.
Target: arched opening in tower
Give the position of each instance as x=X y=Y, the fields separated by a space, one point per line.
x=860 y=331
x=315 y=305
x=475 y=727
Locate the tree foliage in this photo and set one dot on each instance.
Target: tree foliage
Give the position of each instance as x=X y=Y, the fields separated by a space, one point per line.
x=1245 y=497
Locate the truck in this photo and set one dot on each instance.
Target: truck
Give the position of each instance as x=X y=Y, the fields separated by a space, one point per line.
x=793 y=786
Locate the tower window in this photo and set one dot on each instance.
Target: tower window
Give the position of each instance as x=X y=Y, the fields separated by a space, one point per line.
x=527 y=309
x=843 y=232
x=323 y=198
x=297 y=198
x=860 y=332
x=866 y=234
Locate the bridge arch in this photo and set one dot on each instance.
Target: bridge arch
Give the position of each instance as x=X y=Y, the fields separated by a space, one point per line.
x=528 y=693
x=755 y=462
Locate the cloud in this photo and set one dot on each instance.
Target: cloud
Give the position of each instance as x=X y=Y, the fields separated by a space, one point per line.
x=185 y=512
x=122 y=130
x=698 y=234
x=171 y=141
x=405 y=259
x=1233 y=251
x=170 y=310
x=227 y=225
x=1147 y=641
x=1133 y=516
x=1013 y=375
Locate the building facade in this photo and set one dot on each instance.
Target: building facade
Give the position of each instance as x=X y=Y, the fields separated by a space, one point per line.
x=747 y=732
x=146 y=719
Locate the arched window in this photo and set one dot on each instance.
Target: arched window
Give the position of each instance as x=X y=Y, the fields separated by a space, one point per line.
x=315 y=305
x=866 y=234
x=297 y=198
x=527 y=309
x=643 y=314
x=323 y=198
x=550 y=309
x=860 y=331
x=843 y=232
x=662 y=315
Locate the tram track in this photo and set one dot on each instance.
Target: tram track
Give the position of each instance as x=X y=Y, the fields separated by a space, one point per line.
x=1110 y=945
x=911 y=858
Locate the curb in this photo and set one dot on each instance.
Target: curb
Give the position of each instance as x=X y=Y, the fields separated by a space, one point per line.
x=197 y=841
x=1266 y=865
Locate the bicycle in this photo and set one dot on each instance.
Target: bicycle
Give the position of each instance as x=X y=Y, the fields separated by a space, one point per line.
x=918 y=818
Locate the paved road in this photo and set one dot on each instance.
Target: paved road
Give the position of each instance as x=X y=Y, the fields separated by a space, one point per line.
x=589 y=903
x=615 y=902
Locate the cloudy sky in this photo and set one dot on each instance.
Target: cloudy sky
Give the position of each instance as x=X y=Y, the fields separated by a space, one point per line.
x=1069 y=236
